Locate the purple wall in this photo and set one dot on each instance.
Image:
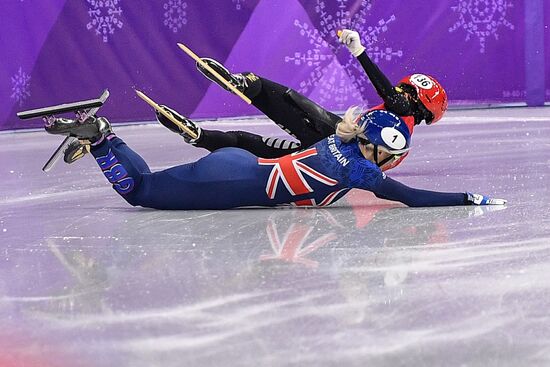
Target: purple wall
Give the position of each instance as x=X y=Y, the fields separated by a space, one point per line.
x=71 y=50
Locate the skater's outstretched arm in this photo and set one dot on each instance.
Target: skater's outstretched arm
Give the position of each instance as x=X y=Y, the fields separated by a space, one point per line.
x=393 y=190
x=394 y=101
x=365 y=173
x=390 y=189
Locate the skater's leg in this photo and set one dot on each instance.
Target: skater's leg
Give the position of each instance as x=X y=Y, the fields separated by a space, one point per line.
x=214 y=140
x=122 y=167
x=293 y=112
x=225 y=179
x=132 y=179
x=255 y=144
x=279 y=103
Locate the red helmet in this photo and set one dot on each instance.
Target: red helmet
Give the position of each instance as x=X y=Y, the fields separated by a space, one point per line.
x=430 y=93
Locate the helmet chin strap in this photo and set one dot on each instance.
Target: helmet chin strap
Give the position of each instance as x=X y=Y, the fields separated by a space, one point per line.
x=384 y=161
x=381 y=163
x=376 y=155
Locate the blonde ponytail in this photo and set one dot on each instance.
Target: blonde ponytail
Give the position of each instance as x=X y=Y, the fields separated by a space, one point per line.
x=348 y=129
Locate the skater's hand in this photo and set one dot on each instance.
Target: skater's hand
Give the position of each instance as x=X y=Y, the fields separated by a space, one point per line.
x=352 y=41
x=347 y=130
x=477 y=199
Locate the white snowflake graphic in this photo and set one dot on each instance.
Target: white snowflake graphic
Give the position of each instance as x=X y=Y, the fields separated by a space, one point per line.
x=175 y=14
x=332 y=63
x=238 y=4
x=105 y=15
x=482 y=19
x=20 y=86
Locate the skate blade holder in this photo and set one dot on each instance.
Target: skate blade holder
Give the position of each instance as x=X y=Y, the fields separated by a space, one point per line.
x=82 y=109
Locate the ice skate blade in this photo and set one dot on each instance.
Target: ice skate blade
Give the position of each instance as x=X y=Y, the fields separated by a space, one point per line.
x=82 y=109
x=66 y=107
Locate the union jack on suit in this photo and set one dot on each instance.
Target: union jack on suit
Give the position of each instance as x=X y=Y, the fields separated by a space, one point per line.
x=290 y=170
x=233 y=177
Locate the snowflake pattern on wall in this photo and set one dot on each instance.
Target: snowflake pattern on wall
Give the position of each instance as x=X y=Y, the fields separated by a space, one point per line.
x=20 y=86
x=482 y=19
x=329 y=71
x=105 y=15
x=238 y=4
x=175 y=14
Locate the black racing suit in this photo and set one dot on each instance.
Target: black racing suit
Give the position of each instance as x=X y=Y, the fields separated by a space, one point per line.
x=299 y=116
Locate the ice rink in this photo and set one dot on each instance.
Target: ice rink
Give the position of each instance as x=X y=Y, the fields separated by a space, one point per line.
x=88 y=280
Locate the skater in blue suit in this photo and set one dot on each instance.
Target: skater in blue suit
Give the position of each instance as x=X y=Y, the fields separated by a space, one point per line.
x=233 y=177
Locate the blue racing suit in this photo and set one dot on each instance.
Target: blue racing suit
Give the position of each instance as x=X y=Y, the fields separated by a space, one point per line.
x=232 y=177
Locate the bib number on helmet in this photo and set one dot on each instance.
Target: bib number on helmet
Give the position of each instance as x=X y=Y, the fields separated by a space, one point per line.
x=422 y=81
x=393 y=138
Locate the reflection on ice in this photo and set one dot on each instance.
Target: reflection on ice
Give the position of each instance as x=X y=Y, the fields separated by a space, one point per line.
x=88 y=280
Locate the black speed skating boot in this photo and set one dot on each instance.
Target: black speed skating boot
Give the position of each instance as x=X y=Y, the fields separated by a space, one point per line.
x=244 y=82
x=175 y=128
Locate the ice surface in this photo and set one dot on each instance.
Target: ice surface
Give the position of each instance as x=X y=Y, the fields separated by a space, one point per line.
x=87 y=280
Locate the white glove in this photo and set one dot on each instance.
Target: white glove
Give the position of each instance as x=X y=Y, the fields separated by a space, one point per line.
x=477 y=199
x=352 y=41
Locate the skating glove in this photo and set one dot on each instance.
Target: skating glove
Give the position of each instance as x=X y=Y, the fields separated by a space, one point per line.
x=477 y=199
x=352 y=41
